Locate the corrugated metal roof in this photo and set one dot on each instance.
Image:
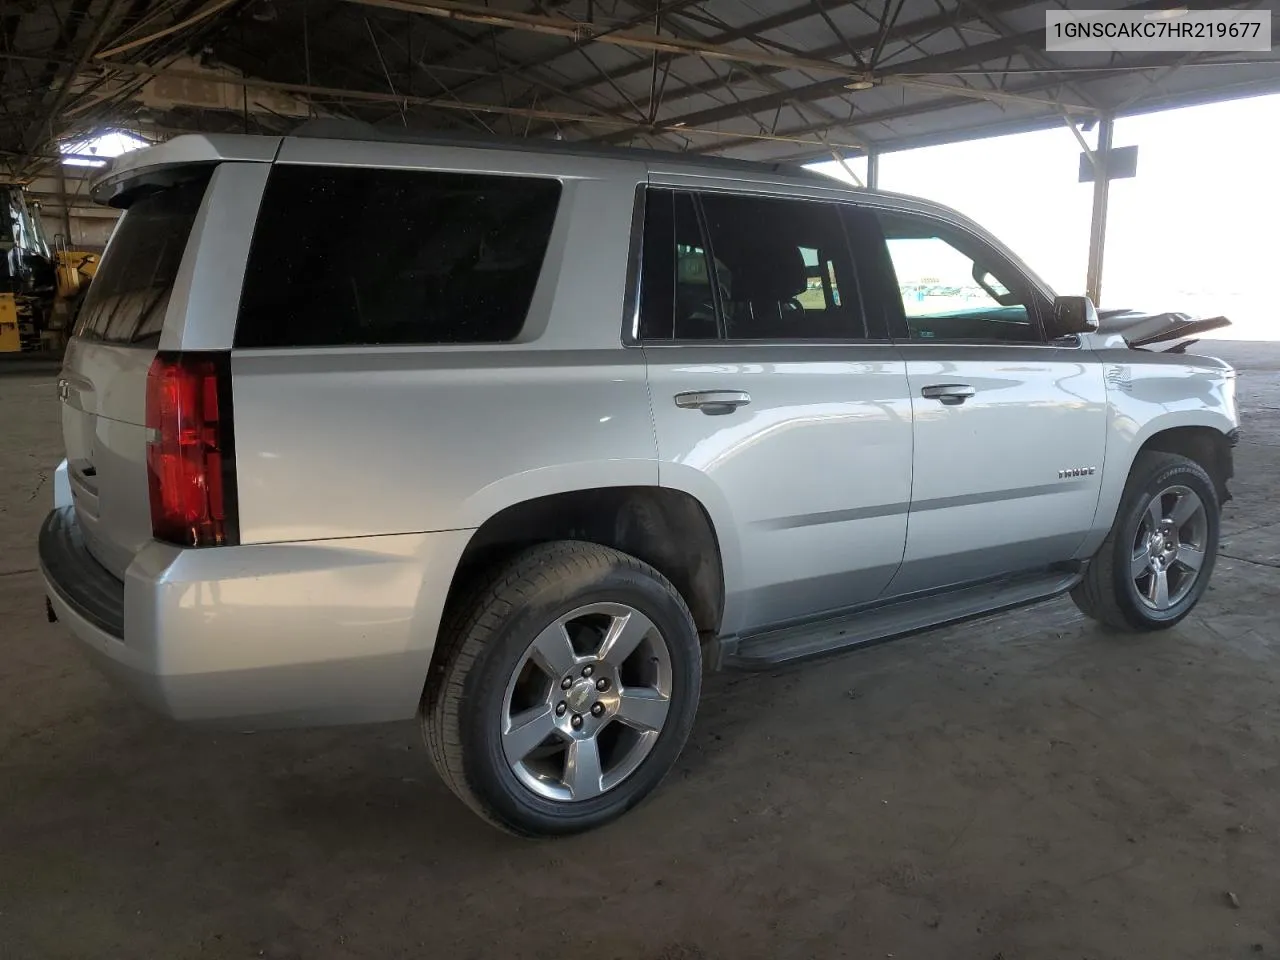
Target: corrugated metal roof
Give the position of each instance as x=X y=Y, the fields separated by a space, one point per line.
x=760 y=79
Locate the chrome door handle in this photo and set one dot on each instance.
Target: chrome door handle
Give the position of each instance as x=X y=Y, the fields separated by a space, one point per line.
x=713 y=403
x=949 y=393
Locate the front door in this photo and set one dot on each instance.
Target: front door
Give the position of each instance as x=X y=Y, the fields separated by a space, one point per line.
x=771 y=404
x=1010 y=425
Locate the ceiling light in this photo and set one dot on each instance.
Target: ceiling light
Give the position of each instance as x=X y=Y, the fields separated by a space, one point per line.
x=863 y=83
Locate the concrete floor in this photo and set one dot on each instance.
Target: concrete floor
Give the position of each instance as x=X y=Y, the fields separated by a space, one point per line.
x=1025 y=786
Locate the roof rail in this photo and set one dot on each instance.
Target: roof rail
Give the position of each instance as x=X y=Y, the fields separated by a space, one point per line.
x=339 y=129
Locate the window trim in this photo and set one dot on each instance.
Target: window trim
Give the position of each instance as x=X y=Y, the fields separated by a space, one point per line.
x=713 y=271
x=635 y=270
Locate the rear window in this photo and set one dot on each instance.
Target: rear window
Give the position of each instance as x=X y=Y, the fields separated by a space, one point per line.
x=348 y=256
x=126 y=301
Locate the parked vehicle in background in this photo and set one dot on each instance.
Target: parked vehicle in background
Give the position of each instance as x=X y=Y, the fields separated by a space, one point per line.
x=519 y=438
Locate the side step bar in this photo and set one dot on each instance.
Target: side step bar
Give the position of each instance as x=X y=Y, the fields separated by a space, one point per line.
x=894 y=619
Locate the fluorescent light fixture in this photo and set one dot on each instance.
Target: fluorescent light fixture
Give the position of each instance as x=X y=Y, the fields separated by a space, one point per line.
x=106 y=145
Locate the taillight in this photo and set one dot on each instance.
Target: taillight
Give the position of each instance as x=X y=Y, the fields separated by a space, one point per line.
x=190 y=459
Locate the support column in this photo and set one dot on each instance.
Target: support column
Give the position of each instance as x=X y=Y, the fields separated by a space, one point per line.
x=873 y=170
x=1101 y=193
x=66 y=205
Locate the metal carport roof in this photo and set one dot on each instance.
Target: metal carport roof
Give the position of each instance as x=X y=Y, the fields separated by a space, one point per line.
x=763 y=79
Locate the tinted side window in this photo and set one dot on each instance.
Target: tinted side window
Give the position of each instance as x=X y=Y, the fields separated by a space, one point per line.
x=953 y=287
x=676 y=299
x=348 y=256
x=126 y=301
x=783 y=269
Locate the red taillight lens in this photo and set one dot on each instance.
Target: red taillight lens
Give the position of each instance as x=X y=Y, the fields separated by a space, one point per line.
x=190 y=465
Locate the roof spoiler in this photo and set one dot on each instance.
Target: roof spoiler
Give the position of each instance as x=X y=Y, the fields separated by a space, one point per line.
x=116 y=186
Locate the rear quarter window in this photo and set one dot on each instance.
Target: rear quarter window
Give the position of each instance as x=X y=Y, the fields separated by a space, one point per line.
x=351 y=256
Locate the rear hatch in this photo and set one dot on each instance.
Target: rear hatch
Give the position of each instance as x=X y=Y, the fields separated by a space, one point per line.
x=104 y=374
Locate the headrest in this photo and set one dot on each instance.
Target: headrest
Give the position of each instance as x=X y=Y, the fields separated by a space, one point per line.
x=769 y=271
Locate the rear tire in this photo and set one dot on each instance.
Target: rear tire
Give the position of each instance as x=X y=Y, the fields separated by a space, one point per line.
x=565 y=690
x=1155 y=564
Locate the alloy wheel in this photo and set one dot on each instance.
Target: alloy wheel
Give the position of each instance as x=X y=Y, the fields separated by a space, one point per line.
x=587 y=702
x=1169 y=547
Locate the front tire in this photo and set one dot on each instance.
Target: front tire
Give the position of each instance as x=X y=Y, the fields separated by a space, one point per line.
x=1155 y=564
x=567 y=688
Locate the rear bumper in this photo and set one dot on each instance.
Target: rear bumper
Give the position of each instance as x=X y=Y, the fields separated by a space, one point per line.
x=76 y=579
x=296 y=634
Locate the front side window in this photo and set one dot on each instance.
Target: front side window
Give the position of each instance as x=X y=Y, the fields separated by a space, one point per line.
x=351 y=256
x=955 y=288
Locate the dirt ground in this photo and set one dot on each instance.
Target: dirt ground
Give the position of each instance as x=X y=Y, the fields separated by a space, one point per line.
x=1020 y=787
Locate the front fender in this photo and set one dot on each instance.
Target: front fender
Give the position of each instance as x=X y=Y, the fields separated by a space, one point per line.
x=1148 y=398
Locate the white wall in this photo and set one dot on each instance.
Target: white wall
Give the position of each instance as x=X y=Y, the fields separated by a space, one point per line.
x=87 y=232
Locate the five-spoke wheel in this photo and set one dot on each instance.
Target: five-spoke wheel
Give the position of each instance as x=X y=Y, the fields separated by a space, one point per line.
x=1168 y=549
x=588 y=701
x=1155 y=563
x=569 y=685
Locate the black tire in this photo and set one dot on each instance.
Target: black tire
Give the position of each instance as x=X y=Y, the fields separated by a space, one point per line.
x=1108 y=592
x=486 y=638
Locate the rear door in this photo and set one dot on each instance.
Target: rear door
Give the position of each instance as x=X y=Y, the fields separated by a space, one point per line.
x=773 y=401
x=104 y=372
x=1010 y=424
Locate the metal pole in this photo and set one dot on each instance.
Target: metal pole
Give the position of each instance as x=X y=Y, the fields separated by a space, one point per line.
x=1101 y=193
x=873 y=170
x=66 y=205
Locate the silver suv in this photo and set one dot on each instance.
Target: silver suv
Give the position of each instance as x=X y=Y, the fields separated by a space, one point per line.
x=516 y=439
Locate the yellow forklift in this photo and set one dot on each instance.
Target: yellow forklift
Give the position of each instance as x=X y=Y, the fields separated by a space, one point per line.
x=40 y=287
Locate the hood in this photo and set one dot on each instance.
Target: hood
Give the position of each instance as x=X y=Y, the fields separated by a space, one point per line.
x=1144 y=329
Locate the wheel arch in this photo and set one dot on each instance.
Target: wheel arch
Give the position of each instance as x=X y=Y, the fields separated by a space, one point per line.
x=1208 y=446
x=1205 y=436
x=669 y=529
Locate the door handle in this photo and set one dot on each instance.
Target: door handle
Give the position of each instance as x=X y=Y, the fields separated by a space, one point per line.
x=713 y=403
x=950 y=394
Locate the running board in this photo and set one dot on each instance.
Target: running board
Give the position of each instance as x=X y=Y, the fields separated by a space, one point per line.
x=895 y=619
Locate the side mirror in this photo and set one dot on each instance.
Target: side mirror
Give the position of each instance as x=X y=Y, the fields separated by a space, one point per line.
x=1074 y=315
